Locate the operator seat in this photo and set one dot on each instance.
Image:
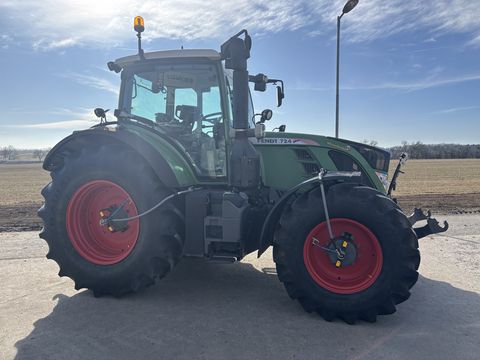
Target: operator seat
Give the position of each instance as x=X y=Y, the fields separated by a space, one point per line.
x=187 y=114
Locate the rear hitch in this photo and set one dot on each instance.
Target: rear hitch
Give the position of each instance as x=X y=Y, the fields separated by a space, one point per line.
x=432 y=227
x=419 y=215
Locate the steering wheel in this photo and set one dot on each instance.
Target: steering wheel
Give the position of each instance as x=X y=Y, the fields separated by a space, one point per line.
x=212 y=118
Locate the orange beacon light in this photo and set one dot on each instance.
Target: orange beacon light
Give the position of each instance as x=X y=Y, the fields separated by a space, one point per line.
x=139 y=24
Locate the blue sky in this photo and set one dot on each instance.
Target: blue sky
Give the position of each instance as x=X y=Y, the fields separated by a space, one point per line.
x=410 y=68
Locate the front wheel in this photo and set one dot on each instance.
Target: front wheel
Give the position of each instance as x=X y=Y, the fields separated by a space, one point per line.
x=368 y=268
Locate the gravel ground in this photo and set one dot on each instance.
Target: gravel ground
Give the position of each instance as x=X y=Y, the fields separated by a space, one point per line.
x=239 y=311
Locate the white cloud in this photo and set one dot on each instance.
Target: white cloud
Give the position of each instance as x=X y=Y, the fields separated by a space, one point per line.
x=68 y=120
x=416 y=85
x=5 y=41
x=55 y=24
x=93 y=81
x=421 y=84
x=64 y=125
x=110 y=22
x=380 y=19
x=457 y=109
x=475 y=42
x=72 y=120
x=46 y=45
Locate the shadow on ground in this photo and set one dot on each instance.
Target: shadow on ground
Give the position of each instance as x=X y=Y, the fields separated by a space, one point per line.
x=211 y=311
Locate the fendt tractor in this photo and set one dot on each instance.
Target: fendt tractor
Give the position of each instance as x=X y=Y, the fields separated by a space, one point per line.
x=188 y=169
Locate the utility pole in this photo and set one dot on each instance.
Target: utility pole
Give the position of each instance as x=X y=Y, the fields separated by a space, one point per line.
x=349 y=6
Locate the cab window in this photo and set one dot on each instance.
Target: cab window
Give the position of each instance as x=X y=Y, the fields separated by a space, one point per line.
x=184 y=102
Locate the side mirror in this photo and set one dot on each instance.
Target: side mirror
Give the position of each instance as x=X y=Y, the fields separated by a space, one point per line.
x=280 y=96
x=282 y=128
x=100 y=113
x=266 y=115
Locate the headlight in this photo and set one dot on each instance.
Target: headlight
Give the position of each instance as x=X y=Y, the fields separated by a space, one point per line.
x=383 y=177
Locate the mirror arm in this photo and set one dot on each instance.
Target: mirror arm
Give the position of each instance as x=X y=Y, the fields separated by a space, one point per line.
x=275 y=81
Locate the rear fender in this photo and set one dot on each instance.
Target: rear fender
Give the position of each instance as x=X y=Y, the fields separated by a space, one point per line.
x=106 y=136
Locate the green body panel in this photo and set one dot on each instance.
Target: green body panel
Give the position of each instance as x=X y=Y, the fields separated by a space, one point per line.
x=282 y=169
x=180 y=166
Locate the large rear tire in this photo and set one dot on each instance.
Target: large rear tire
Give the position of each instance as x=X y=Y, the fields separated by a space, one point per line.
x=383 y=262
x=112 y=261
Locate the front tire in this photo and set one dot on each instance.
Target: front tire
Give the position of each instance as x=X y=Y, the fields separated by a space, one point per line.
x=105 y=259
x=383 y=262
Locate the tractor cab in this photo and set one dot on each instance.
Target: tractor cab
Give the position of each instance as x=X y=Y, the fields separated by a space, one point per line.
x=184 y=95
x=188 y=96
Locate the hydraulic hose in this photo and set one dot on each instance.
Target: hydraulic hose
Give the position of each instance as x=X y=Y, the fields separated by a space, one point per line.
x=163 y=201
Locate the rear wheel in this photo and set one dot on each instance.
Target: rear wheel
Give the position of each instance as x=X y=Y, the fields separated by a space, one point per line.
x=118 y=257
x=379 y=259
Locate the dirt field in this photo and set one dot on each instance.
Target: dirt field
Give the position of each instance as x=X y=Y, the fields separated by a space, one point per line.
x=445 y=186
x=20 y=198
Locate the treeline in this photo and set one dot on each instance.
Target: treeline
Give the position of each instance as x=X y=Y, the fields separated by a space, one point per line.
x=415 y=150
x=10 y=153
x=419 y=150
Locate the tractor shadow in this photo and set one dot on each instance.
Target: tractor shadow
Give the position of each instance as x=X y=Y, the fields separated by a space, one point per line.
x=212 y=311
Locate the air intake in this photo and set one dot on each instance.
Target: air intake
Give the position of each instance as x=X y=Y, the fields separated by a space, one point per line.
x=311 y=168
x=303 y=154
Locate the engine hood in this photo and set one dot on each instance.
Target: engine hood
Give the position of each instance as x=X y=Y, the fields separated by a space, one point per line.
x=289 y=158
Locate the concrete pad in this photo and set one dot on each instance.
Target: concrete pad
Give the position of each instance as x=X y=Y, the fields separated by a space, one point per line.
x=238 y=311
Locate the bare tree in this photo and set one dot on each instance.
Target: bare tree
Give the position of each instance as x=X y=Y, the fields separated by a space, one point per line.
x=40 y=153
x=417 y=150
x=8 y=153
x=370 y=142
x=12 y=153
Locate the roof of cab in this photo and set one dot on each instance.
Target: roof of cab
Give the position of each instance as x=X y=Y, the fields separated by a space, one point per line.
x=170 y=54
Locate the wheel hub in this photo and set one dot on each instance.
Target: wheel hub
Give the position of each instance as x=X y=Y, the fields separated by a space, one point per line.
x=114 y=212
x=344 y=251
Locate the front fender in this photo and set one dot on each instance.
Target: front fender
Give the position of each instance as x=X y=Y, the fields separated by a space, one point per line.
x=271 y=221
x=109 y=136
x=266 y=236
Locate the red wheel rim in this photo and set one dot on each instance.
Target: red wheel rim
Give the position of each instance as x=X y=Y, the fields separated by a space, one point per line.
x=349 y=279
x=91 y=240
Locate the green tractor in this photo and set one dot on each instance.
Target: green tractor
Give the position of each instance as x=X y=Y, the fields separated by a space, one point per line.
x=188 y=170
